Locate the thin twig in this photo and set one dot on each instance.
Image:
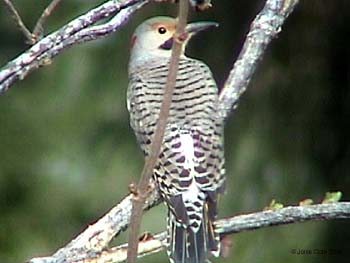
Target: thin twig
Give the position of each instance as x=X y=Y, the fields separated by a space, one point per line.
x=236 y=224
x=39 y=26
x=77 y=31
x=150 y=162
x=17 y=18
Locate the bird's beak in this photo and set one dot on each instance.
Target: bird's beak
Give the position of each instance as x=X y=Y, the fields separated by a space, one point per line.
x=195 y=27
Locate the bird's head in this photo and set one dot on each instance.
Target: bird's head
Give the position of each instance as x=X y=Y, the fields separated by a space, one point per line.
x=155 y=37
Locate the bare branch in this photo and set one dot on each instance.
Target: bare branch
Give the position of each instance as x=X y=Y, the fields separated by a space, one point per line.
x=17 y=18
x=283 y=216
x=264 y=28
x=151 y=160
x=90 y=245
x=96 y=237
x=77 y=31
x=236 y=224
x=39 y=26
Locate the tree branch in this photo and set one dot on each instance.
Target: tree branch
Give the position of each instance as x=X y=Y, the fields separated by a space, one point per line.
x=151 y=160
x=77 y=31
x=17 y=18
x=288 y=215
x=32 y=38
x=38 y=30
x=264 y=28
x=96 y=237
x=89 y=246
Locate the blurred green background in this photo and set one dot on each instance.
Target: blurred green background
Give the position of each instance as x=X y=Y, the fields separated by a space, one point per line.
x=67 y=153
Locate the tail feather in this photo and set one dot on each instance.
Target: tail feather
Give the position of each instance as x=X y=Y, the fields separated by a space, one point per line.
x=179 y=244
x=187 y=246
x=213 y=240
x=197 y=247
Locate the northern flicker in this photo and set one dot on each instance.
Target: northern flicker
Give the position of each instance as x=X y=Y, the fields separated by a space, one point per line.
x=189 y=173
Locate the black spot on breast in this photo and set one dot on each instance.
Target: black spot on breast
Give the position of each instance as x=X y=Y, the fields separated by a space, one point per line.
x=211 y=175
x=195 y=224
x=198 y=154
x=181 y=159
x=200 y=169
x=186 y=183
x=184 y=173
x=176 y=145
x=174 y=171
x=167 y=163
x=194 y=216
x=202 y=180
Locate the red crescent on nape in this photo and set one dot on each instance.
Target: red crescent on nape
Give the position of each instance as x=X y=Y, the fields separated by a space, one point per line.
x=133 y=40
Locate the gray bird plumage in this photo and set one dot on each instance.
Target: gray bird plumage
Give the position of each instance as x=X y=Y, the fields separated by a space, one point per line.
x=190 y=170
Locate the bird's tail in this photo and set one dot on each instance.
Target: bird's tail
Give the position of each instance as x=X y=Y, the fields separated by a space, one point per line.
x=187 y=246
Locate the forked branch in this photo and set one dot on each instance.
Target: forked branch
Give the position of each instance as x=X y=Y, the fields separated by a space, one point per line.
x=90 y=246
x=79 y=30
x=154 y=243
x=38 y=30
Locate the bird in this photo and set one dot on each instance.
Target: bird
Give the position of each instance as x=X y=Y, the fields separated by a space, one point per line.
x=189 y=172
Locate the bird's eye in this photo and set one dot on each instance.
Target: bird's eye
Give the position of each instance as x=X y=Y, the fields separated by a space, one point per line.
x=162 y=30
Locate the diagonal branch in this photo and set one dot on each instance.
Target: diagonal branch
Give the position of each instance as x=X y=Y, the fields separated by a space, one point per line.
x=91 y=243
x=77 y=31
x=263 y=29
x=32 y=38
x=97 y=236
x=39 y=26
x=236 y=224
x=17 y=18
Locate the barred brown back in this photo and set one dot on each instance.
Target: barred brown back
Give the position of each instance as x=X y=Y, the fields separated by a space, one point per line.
x=190 y=169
